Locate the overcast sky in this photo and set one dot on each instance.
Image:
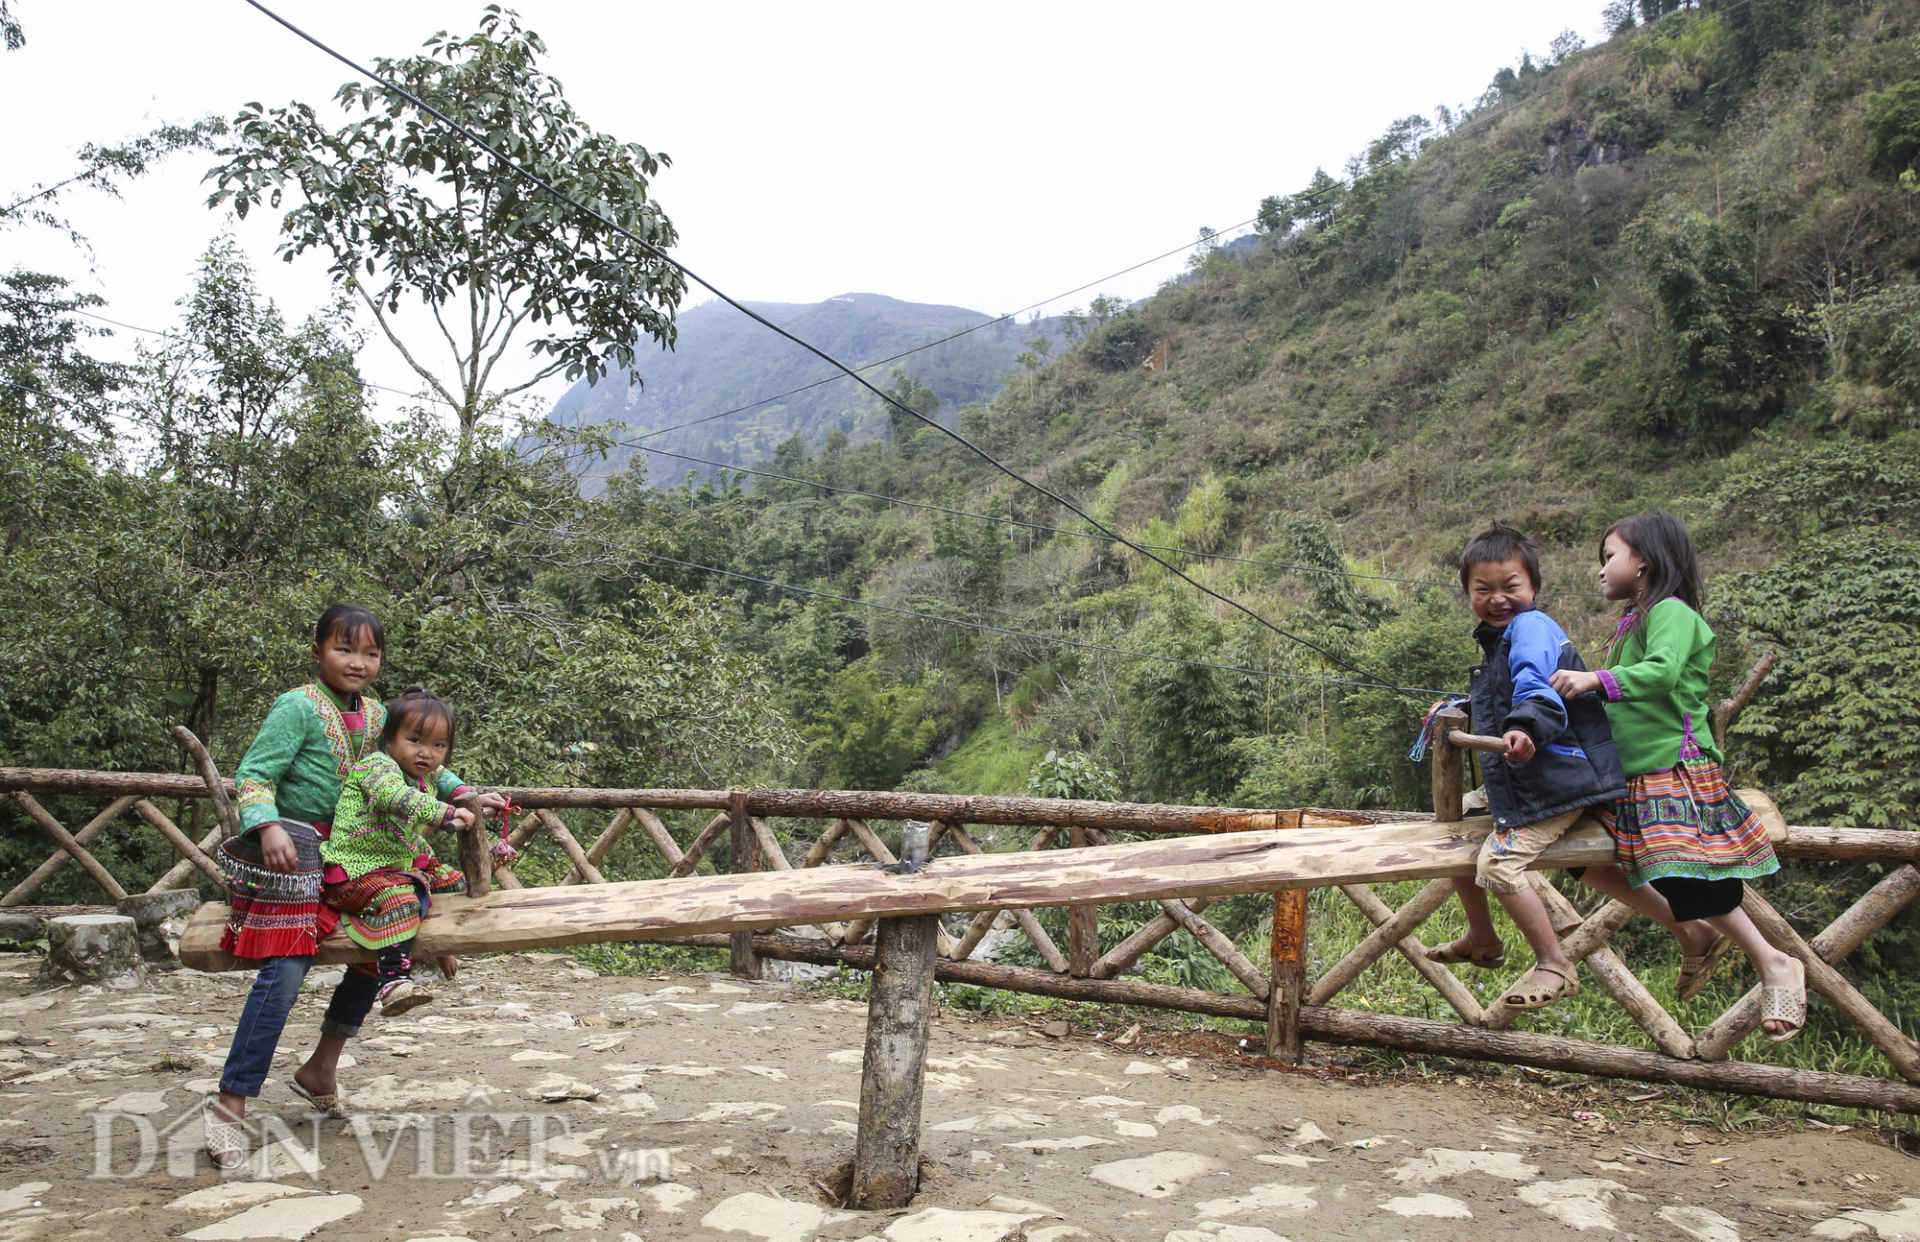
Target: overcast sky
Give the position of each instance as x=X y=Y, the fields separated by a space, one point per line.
x=986 y=155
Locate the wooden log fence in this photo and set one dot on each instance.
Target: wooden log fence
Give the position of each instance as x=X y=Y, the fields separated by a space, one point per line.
x=820 y=899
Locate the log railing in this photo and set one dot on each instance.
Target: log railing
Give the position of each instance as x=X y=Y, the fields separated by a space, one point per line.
x=804 y=902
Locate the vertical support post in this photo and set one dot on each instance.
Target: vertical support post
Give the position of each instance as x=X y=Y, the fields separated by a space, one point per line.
x=475 y=860
x=886 y=1153
x=1288 y=985
x=1083 y=924
x=1449 y=787
x=743 y=962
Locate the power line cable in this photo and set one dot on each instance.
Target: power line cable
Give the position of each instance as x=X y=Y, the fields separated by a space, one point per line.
x=111 y=415
x=928 y=616
x=741 y=409
x=134 y=327
x=1045 y=638
x=647 y=247
x=1060 y=530
x=1300 y=199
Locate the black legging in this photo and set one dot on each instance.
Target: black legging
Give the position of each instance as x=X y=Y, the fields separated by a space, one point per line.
x=1691 y=898
x=396 y=962
x=1699 y=899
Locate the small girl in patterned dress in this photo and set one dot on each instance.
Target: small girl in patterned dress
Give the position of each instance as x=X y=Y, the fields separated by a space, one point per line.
x=288 y=784
x=1680 y=829
x=380 y=871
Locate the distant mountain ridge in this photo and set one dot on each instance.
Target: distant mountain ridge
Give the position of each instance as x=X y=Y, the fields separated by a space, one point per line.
x=724 y=360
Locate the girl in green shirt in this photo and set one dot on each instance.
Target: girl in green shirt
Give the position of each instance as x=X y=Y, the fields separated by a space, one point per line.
x=288 y=783
x=1680 y=829
x=380 y=869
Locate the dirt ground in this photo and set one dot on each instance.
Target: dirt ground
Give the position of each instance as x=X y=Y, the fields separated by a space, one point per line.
x=700 y=1107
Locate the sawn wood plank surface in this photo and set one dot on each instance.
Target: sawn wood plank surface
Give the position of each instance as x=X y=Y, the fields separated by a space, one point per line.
x=1195 y=866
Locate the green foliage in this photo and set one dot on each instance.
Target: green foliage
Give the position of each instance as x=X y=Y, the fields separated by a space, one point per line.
x=1834 y=732
x=1072 y=775
x=1893 y=128
x=1188 y=714
x=866 y=734
x=1120 y=345
x=1723 y=340
x=1837 y=736
x=1429 y=644
x=405 y=209
x=174 y=576
x=101 y=169
x=1791 y=490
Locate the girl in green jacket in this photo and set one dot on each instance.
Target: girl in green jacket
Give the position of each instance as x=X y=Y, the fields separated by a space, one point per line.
x=1680 y=829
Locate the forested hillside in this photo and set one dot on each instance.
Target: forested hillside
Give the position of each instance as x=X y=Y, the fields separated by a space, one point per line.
x=1676 y=270
x=1672 y=271
x=722 y=361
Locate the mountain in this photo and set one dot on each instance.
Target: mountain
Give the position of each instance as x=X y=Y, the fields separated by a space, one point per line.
x=723 y=360
x=1680 y=271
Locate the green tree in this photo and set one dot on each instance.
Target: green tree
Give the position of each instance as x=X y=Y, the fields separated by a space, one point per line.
x=407 y=211
x=1072 y=775
x=1188 y=713
x=1893 y=128
x=903 y=429
x=1722 y=374
x=172 y=575
x=1835 y=730
x=866 y=735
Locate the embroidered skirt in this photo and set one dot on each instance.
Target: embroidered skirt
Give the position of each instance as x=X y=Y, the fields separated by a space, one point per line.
x=1685 y=821
x=274 y=913
x=384 y=907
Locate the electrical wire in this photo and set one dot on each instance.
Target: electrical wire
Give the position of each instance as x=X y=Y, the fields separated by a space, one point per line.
x=1045 y=638
x=1061 y=530
x=534 y=179
x=753 y=405
x=134 y=327
x=926 y=616
x=111 y=415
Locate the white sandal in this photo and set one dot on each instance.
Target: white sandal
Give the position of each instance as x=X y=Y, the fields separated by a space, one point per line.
x=328 y=1103
x=1787 y=1005
x=226 y=1140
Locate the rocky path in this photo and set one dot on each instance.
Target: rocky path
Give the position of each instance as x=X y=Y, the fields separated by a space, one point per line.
x=534 y=1098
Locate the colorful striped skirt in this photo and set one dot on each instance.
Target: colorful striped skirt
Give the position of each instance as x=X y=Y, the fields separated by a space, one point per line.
x=384 y=907
x=1686 y=821
x=274 y=913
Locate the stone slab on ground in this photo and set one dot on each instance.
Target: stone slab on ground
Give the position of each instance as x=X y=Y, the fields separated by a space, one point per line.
x=725 y=1120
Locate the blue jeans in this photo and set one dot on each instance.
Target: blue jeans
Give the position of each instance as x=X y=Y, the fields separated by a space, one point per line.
x=264 y=1017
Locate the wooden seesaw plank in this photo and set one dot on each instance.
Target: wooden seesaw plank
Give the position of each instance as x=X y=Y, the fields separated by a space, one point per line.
x=1197 y=866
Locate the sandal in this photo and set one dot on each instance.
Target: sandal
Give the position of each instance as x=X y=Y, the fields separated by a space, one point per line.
x=401 y=995
x=327 y=1103
x=226 y=1141
x=1787 y=1005
x=1485 y=956
x=1697 y=972
x=1537 y=997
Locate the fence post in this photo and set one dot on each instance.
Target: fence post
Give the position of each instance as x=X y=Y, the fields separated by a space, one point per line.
x=886 y=1152
x=476 y=862
x=1289 y=980
x=1449 y=788
x=746 y=857
x=1083 y=923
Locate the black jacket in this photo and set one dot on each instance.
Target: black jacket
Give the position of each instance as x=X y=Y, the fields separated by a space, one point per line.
x=1574 y=763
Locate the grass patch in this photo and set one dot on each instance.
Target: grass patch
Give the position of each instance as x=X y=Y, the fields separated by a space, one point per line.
x=992 y=761
x=642 y=958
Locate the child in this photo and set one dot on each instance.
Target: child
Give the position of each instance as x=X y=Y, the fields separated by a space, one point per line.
x=379 y=868
x=288 y=784
x=1559 y=760
x=1679 y=830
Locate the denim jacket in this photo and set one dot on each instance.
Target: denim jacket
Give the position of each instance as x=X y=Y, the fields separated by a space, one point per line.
x=1574 y=762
